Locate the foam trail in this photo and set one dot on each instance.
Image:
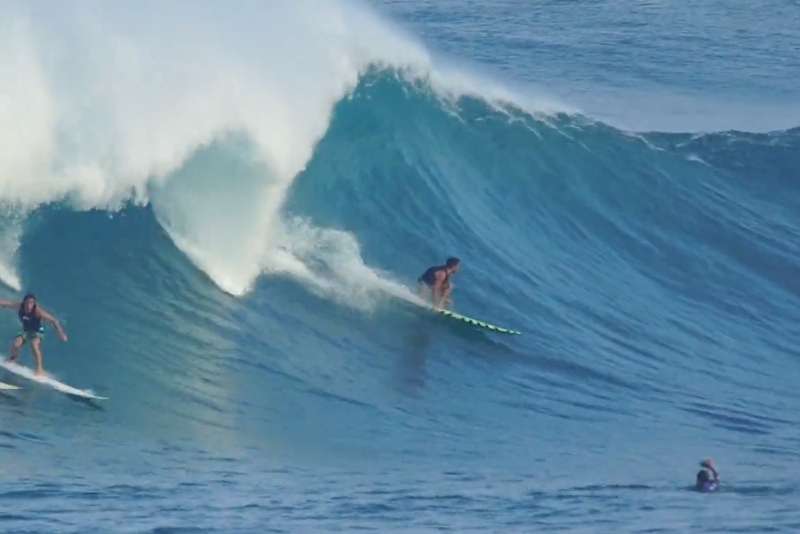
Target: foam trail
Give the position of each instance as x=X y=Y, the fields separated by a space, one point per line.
x=329 y=261
x=113 y=102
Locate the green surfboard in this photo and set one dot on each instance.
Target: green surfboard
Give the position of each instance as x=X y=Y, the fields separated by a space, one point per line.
x=475 y=322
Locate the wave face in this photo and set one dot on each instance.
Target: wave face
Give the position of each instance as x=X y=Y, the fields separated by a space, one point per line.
x=227 y=207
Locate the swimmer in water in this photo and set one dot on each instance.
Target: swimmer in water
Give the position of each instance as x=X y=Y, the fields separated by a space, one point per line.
x=704 y=481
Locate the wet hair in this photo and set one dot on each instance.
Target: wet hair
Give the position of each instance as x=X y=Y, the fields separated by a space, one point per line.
x=452 y=262
x=703 y=476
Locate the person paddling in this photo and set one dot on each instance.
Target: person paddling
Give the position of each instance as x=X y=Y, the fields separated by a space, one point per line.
x=704 y=482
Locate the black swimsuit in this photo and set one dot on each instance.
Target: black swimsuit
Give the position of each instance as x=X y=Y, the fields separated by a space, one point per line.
x=31 y=322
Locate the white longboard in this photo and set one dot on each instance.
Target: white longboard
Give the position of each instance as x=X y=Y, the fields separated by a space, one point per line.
x=24 y=372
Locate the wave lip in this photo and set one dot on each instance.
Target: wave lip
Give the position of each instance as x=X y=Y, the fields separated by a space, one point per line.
x=112 y=101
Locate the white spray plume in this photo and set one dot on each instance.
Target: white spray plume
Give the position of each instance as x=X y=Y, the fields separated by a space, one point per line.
x=103 y=102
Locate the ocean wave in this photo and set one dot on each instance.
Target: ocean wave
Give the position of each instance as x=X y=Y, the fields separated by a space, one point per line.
x=111 y=103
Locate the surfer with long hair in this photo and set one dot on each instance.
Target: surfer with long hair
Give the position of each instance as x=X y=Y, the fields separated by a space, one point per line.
x=31 y=316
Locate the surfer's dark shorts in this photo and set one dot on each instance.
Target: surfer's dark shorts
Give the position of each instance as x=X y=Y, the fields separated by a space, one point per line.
x=27 y=335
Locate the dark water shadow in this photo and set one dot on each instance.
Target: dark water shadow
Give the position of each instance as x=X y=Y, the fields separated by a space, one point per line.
x=426 y=332
x=416 y=348
x=747 y=490
x=737 y=489
x=91 y=403
x=8 y=397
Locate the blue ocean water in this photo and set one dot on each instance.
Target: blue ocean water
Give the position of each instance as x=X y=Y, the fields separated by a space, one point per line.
x=227 y=205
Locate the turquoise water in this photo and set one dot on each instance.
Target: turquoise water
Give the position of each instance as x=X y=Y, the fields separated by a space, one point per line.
x=227 y=207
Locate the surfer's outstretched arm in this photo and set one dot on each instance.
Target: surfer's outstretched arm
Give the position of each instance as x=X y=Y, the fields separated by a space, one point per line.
x=8 y=304
x=53 y=321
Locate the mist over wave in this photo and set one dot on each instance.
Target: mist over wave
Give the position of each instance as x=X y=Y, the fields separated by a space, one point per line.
x=112 y=104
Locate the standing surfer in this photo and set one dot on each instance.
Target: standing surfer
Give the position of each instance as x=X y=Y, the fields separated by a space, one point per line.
x=437 y=280
x=31 y=315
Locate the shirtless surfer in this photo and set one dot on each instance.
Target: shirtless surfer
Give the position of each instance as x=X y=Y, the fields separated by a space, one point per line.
x=437 y=280
x=31 y=315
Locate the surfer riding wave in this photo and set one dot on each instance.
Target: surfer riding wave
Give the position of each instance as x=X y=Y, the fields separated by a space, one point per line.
x=31 y=315
x=437 y=280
